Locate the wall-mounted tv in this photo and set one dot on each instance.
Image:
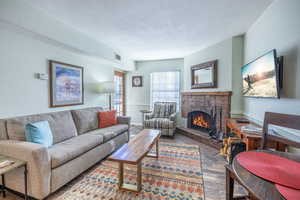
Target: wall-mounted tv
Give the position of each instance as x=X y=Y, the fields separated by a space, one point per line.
x=261 y=77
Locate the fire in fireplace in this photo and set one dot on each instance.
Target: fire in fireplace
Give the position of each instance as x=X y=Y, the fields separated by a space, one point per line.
x=202 y=121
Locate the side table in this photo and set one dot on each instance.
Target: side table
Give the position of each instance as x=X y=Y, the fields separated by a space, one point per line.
x=143 y=115
x=17 y=164
x=251 y=139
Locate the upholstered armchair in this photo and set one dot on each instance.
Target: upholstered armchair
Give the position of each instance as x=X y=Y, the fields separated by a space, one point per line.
x=163 y=117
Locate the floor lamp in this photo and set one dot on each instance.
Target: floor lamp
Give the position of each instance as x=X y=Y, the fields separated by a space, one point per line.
x=107 y=87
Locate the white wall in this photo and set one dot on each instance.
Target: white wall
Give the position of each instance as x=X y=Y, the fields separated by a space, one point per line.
x=237 y=103
x=138 y=98
x=19 y=13
x=229 y=54
x=29 y=39
x=221 y=52
x=22 y=56
x=279 y=28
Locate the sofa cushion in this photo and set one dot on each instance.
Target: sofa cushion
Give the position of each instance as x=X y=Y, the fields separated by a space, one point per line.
x=86 y=119
x=110 y=132
x=61 y=124
x=3 y=133
x=67 y=150
x=159 y=123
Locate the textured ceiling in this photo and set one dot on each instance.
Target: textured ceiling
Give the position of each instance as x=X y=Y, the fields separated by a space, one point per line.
x=156 y=29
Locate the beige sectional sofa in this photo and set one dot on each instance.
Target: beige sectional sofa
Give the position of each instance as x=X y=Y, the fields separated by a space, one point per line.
x=78 y=144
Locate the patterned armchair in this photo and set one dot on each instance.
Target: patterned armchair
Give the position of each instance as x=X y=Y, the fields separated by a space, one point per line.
x=163 y=118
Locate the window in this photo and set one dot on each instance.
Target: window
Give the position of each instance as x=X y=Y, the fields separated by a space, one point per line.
x=165 y=87
x=119 y=100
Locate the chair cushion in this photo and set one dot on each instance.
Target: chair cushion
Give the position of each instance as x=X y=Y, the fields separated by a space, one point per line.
x=110 y=132
x=107 y=118
x=86 y=119
x=159 y=123
x=65 y=151
x=40 y=133
x=61 y=123
x=164 y=109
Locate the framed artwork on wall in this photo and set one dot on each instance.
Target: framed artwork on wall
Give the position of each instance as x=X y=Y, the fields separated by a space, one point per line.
x=204 y=75
x=66 y=84
x=137 y=81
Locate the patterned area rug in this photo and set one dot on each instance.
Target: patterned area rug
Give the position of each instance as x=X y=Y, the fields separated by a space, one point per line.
x=177 y=174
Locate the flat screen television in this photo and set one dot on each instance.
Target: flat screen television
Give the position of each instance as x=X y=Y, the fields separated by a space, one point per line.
x=261 y=77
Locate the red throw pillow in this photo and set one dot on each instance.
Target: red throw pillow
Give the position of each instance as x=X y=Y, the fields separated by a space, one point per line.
x=107 y=118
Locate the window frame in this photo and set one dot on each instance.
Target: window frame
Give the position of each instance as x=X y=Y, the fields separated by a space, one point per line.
x=179 y=88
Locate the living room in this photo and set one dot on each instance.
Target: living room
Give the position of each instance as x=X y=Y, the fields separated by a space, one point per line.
x=149 y=99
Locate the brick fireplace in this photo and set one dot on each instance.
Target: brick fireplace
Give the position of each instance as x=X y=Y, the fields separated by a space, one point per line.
x=206 y=114
x=220 y=102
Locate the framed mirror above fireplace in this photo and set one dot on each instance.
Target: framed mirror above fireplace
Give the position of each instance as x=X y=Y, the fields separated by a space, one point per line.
x=204 y=75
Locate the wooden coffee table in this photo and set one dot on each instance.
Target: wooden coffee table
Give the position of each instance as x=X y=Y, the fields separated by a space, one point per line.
x=132 y=153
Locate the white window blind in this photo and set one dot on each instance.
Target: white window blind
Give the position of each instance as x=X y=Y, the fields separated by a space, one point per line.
x=165 y=87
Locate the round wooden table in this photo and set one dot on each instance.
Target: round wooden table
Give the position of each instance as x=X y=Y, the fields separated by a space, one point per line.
x=257 y=187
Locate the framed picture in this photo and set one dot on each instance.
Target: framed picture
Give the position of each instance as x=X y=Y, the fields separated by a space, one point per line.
x=137 y=81
x=204 y=75
x=66 y=84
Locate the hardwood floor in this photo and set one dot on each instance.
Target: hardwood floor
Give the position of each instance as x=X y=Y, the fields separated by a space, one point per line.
x=212 y=166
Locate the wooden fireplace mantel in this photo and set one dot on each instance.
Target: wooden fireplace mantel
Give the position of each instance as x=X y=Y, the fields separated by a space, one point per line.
x=225 y=93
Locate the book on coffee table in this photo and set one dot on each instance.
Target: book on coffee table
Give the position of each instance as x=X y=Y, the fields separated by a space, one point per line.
x=5 y=163
x=252 y=129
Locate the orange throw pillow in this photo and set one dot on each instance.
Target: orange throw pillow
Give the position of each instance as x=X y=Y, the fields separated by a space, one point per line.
x=107 y=118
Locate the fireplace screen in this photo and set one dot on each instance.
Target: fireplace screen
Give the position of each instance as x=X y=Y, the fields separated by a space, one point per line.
x=201 y=120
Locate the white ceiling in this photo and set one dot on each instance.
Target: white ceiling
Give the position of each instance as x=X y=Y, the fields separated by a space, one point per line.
x=156 y=29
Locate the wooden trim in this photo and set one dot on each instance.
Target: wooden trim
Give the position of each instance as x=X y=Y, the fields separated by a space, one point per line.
x=51 y=79
x=117 y=73
x=122 y=74
x=228 y=93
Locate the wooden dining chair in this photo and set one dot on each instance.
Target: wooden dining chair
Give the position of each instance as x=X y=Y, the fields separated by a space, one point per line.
x=281 y=121
x=276 y=128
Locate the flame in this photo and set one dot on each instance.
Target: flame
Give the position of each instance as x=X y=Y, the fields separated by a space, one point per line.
x=199 y=121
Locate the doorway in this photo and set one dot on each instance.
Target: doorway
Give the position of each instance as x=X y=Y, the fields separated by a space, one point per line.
x=119 y=101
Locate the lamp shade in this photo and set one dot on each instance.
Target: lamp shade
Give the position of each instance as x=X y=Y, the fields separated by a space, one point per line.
x=106 y=87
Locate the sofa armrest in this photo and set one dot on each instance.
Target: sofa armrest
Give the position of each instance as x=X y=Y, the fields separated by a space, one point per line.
x=124 y=120
x=172 y=117
x=38 y=164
